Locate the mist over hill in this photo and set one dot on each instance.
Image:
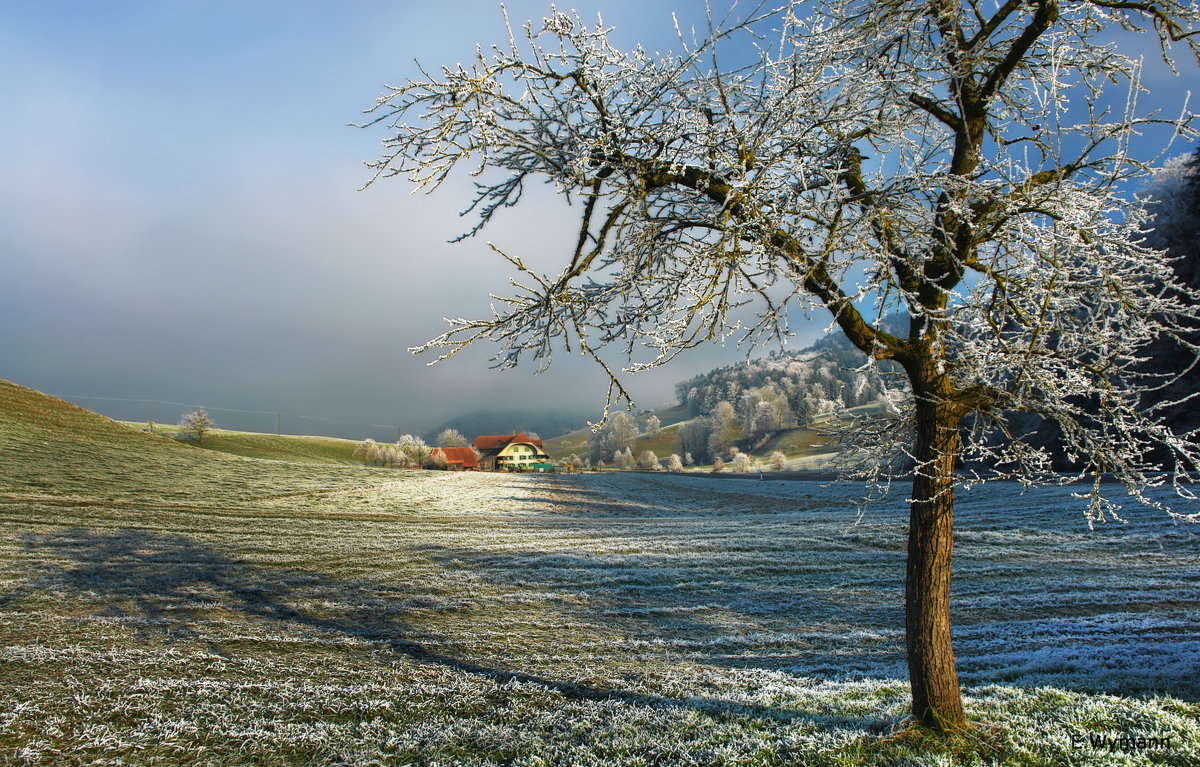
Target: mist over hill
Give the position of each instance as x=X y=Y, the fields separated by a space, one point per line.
x=547 y=423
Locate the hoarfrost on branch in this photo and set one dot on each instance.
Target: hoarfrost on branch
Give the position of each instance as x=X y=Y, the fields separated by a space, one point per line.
x=962 y=163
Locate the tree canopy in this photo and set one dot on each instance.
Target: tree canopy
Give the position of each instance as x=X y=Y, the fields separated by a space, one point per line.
x=963 y=162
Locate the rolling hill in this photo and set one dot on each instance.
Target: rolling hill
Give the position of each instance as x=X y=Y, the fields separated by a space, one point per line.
x=52 y=447
x=281 y=447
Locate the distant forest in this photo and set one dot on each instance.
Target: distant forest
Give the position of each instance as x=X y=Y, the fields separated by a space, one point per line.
x=814 y=381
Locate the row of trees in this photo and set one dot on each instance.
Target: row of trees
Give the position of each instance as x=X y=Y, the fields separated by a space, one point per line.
x=761 y=412
x=409 y=451
x=617 y=434
x=648 y=460
x=794 y=391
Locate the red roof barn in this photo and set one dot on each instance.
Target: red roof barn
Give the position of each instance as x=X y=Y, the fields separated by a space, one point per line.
x=457 y=457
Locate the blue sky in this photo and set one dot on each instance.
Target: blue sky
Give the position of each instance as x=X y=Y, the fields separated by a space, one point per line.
x=180 y=220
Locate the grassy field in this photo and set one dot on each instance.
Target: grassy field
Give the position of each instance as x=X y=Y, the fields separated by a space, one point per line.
x=165 y=605
x=287 y=447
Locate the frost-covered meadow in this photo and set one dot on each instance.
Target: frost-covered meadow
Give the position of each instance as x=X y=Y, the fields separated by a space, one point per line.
x=449 y=618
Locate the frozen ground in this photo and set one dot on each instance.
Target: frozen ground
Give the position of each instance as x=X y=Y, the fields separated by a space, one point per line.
x=440 y=618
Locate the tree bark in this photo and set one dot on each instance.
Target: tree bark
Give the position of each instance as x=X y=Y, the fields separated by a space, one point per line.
x=936 y=698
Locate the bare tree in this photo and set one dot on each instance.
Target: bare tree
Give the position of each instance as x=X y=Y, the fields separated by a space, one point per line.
x=451 y=438
x=199 y=423
x=674 y=463
x=996 y=221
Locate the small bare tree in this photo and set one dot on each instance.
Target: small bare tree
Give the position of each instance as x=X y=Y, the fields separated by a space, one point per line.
x=198 y=423
x=995 y=220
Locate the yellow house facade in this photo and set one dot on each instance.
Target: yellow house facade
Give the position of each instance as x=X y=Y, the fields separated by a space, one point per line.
x=521 y=456
x=512 y=452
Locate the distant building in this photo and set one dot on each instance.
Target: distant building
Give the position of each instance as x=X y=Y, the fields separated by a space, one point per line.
x=512 y=452
x=458 y=458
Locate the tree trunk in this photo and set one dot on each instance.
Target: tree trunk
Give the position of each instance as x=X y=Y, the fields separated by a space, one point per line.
x=936 y=698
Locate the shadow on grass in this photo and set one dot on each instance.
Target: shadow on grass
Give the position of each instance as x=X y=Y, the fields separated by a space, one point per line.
x=164 y=585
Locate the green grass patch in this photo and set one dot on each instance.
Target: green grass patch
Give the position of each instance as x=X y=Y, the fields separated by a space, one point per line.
x=283 y=447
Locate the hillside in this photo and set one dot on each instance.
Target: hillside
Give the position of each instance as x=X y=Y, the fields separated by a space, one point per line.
x=803 y=388
x=281 y=447
x=812 y=379
x=52 y=447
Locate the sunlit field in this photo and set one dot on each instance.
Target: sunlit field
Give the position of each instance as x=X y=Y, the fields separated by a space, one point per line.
x=231 y=610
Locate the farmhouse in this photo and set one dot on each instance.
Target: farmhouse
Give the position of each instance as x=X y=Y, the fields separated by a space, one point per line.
x=457 y=458
x=512 y=452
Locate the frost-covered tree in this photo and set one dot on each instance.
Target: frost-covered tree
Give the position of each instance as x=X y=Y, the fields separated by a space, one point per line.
x=674 y=463
x=624 y=429
x=718 y=464
x=613 y=434
x=962 y=161
x=451 y=438
x=649 y=460
x=740 y=463
x=653 y=424
x=624 y=459
x=764 y=410
x=412 y=451
x=368 y=450
x=1173 y=200
x=197 y=422
x=692 y=437
x=777 y=460
x=724 y=429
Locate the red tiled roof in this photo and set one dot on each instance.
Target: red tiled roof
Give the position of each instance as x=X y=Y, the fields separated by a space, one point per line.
x=464 y=455
x=491 y=442
x=496 y=442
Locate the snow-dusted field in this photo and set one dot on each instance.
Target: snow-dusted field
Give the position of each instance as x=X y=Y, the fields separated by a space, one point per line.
x=440 y=618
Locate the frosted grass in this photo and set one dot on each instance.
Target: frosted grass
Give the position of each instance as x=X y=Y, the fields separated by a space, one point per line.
x=442 y=618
